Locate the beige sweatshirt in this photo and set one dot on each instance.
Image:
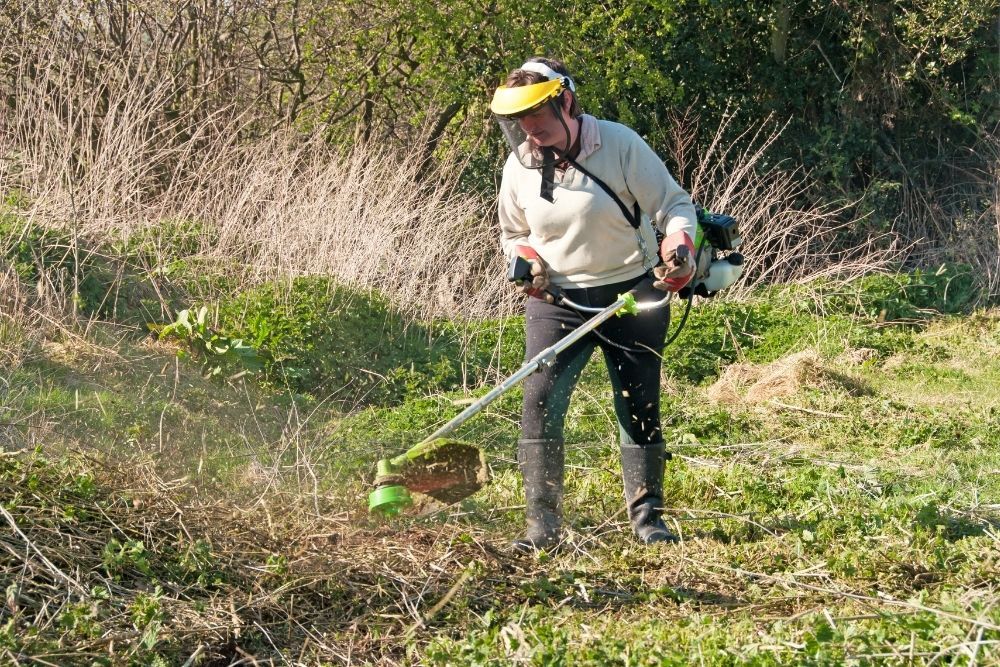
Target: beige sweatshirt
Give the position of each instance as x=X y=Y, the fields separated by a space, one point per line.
x=582 y=234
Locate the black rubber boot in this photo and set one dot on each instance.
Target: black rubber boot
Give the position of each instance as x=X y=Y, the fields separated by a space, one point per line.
x=642 y=473
x=541 y=463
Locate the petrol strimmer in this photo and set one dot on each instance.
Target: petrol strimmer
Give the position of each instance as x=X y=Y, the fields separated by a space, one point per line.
x=450 y=470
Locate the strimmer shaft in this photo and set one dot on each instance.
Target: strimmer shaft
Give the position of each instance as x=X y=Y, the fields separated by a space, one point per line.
x=543 y=358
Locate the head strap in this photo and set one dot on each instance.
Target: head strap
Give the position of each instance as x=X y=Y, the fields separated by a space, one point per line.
x=549 y=73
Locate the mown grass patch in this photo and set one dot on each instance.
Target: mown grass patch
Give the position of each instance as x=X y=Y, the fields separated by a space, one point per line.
x=148 y=404
x=850 y=517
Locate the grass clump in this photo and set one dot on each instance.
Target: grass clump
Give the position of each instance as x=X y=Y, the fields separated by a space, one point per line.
x=354 y=347
x=93 y=278
x=330 y=340
x=40 y=255
x=910 y=296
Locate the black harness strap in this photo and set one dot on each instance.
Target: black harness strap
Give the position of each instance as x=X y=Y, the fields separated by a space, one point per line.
x=634 y=216
x=548 y=175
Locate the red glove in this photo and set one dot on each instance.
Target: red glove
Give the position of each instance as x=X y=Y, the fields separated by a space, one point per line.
x=539 y=274
x=675 y=272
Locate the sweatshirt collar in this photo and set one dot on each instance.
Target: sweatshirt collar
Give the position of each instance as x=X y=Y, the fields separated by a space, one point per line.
x=590 y=136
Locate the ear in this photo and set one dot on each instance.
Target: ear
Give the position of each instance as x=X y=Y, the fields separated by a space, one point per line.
x=567 y=100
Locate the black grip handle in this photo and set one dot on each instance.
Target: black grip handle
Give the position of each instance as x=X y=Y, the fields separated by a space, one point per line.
x=519 y=269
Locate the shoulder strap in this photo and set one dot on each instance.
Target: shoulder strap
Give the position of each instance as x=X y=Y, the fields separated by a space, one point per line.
x=634 y=216
x=548 y=174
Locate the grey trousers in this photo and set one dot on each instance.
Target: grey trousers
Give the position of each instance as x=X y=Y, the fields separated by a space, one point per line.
x=631 y=345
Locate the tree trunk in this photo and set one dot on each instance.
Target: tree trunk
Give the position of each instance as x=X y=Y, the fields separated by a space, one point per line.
x=780 y=30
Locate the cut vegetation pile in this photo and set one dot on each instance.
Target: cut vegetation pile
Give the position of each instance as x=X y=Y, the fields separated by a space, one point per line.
x=784 y=377
x=117 y=566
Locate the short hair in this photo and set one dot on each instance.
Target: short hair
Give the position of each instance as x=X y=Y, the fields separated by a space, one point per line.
x=522 y=77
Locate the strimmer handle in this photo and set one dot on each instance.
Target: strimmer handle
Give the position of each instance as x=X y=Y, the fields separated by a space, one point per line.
x=646 y=305
x=519 y=271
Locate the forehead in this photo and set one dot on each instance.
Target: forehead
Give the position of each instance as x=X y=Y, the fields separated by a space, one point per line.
x=543 y=112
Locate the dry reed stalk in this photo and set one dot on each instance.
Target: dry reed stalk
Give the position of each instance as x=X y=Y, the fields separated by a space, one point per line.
x=298 y=208
x=105 y=168
x=786 y=238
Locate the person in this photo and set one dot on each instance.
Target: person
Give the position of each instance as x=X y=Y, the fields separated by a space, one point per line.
x=571 y=201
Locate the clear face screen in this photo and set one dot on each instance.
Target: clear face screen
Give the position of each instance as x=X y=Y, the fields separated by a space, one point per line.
x=531 y=133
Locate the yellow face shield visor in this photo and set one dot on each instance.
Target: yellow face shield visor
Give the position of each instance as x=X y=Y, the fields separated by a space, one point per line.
x=522 y=100
x=509 y=105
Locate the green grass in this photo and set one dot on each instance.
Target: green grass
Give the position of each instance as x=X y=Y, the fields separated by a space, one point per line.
x=883 y=501
x=825 y=525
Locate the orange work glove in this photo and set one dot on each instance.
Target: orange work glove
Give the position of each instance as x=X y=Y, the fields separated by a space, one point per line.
x=539 y=282
x=677 y=268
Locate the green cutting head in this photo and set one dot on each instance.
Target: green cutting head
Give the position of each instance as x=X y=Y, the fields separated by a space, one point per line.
x=446 y=470
x=389 y=500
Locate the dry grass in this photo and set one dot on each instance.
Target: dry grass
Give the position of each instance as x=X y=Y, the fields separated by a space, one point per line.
x=748 y=383
x=223 y=573
x=113 y=167
x=108 y=168
x=787 y=236
x=297 y=208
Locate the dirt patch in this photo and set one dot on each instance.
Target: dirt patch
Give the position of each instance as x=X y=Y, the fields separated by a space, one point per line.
x=756 y=384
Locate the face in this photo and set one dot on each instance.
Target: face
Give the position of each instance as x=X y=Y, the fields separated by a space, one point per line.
x=544 y=127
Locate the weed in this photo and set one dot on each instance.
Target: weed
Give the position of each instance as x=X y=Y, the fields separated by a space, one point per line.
x=164 y=248
x=276 y=564
x=216 y=351
x=119 y=558
x=198 y=565
x=147 y=617
x=39 y=253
